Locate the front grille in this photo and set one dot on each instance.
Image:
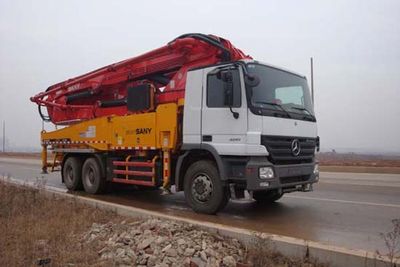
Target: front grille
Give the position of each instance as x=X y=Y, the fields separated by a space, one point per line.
x=280 y=149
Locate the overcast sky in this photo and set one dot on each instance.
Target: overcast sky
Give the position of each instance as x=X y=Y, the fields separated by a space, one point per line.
x=355 y=45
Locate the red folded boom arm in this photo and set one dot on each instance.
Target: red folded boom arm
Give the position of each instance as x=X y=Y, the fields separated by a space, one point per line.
x=103 y=92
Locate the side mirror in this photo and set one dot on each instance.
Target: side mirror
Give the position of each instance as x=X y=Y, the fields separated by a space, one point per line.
x=252 y=80
x=227 y=78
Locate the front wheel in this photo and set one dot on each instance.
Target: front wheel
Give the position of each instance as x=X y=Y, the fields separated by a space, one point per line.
x=264 y=197
x=92 y=179
x=204 y=191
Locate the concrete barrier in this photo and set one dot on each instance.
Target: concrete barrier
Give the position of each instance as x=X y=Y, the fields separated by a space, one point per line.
x=288 y=246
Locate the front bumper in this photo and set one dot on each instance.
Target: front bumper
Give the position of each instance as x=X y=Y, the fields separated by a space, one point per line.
x=289 y=177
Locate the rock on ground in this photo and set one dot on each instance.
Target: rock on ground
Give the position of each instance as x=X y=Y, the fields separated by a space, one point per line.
x=159 y=243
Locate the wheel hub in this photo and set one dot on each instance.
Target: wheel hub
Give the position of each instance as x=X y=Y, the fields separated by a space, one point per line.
x=202 y=188
x=90 y=176
x=69 y=175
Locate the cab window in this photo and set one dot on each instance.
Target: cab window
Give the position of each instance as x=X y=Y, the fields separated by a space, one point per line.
x=290 y=95
x=215 y=90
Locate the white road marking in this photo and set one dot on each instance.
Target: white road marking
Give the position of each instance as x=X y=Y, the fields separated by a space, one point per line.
x=21 y=161
x=360 y=182
x=27 y=168
x=361 y=177
x=22 y=167
x=346 y=201
x=356 y=175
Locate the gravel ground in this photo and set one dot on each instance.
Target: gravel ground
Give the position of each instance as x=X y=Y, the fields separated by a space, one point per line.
x=163 y=243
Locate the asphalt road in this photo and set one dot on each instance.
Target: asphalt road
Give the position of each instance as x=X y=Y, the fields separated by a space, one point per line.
x=345 y=209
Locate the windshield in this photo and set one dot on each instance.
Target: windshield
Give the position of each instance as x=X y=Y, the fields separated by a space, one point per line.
x=280 y=92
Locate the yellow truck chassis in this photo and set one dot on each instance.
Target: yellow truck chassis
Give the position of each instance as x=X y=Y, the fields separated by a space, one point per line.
x=138 y=146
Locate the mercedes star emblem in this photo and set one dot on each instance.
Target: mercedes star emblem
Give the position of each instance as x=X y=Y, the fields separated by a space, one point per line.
x=296 y=147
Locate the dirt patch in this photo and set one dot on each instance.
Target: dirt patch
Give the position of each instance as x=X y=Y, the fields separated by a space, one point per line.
x=352 y=159
x=30 y=155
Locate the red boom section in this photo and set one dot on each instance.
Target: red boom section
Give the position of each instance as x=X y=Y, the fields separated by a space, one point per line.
x=103 y=92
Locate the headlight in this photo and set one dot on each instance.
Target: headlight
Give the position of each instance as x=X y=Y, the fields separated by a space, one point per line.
x=316 y=169
x=266 y=173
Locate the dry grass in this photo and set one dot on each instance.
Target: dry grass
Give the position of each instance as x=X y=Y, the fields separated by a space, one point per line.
x=261 y=253
x=392 y=243
x=34 y=226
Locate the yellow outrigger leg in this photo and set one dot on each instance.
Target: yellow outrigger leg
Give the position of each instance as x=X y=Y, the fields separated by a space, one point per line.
x=44 y=159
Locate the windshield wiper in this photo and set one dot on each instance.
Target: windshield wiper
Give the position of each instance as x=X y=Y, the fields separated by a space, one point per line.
x=276 y=105
x=304 y=109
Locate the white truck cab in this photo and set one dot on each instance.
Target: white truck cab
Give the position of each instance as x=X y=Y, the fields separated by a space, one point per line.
x=258 y=122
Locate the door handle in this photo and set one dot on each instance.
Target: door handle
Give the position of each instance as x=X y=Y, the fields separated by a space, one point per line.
x=207 y=138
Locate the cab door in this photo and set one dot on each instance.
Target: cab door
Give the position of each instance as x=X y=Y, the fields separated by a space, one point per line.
x=224 y=111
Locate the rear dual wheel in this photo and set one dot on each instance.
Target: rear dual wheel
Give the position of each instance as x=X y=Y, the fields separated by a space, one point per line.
x=72 y=173
x=93 y=179
x=78 y=173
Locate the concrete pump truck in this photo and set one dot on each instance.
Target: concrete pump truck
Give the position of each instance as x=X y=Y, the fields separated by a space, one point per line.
x=197 y=114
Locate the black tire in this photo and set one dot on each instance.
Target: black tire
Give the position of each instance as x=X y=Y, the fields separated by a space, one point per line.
x=265 y=197
x=204 y=191
x=72 y=173
x=93 y=179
